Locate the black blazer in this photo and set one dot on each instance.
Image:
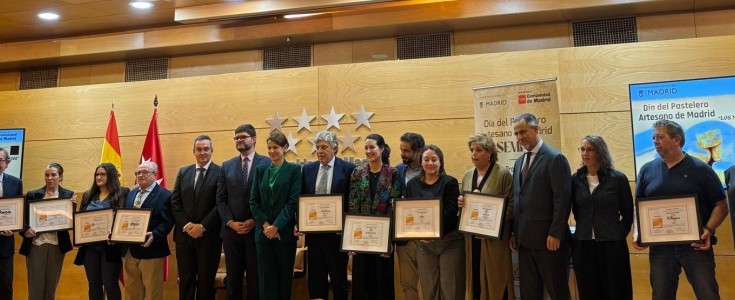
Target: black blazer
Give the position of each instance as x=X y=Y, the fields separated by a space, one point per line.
x=730 y=182
x=63 y=236
x=542 y=204
x=232 y=198
x=162 y=221
x=276 y=205
x=112 y=252
x=196 y=208
x=608 y=210
x=12 y=186
x=340 y=178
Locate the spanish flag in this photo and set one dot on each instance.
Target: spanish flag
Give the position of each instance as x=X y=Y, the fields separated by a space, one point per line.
x=111 y=147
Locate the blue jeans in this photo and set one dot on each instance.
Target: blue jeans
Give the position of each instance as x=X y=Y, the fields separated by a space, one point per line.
x=666 y=264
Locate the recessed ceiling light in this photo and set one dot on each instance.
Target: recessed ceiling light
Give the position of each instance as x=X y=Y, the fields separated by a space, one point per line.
x=141 y=4
x=296 y=16
x=48 y=16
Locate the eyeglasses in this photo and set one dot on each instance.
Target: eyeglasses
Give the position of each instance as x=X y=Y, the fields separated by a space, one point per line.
x=143 y=173
x=4 y=160
x=583 y=150
x=100 y=174
x=241 y=137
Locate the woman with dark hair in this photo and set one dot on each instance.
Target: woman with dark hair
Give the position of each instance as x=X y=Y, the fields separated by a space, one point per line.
x=489 y=267
x=273 y=200
x=373 y=186
x=441 y=263
x=102 y=262
x=45 y=251
x=602 y=204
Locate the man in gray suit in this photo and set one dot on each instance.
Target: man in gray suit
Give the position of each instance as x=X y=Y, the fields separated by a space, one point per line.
x=542 y=188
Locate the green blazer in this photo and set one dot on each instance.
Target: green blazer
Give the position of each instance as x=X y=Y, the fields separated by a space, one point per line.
x=276 y=205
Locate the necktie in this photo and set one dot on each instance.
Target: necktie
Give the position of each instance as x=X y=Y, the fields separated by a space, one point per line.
x=524 y=170
x=321 y=188
x=139 y=199
x=199 y=182
x=245 y=172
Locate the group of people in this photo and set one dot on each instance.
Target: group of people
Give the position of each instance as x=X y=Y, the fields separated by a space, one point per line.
x=247 y=207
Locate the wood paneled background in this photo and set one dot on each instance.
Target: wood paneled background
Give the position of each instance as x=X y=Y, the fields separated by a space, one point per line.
x=429 y=96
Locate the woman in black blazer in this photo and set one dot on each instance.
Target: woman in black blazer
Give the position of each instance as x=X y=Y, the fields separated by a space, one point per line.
x=45 y=251
x=603 y=209
x=102 y=262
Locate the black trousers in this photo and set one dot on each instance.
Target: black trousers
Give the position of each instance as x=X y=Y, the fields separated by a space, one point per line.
x=372 y=277
x=241 y=263
x=198 y=260
x=6 y=278
x=326 y=263
x=602 y=269
x=544 y=269
x=103 y=274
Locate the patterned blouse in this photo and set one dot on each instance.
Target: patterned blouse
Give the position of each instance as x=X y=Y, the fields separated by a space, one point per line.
x=389 y=187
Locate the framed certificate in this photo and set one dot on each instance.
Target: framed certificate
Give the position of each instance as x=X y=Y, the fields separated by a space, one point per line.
x=418 y=219
x=130 y=225
x=366 y=234
x=668 y=220
x=92 y=226
x=46 y=215
x=12 y=213
x=483 y=215
x=320 y=213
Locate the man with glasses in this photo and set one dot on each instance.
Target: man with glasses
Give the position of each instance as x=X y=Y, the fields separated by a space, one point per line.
x=9 y=186
x=194 y=205
x=328 y=175
x=233 y=204
x=143 y=264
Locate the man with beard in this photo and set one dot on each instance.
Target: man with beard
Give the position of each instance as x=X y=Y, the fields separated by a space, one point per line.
x=411 y=145
x=233 y=195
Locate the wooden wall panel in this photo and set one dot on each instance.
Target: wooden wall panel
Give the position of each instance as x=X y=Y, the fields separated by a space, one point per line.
x=614 y=127
x=71 y=76
x=9 y=81
x=534 y=37
x=107 y=73
x=332 y=54
x=715 y=23
x=363 y=51
x=596 y=79
x=666 y=27
x=219 y=63
x=409 y=90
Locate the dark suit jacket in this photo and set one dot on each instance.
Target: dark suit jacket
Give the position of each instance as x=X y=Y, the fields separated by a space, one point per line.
x=543 y=202
x=276 y=205
x=402 y=175
x=232 y=198
x=340 y=178
x=730 y=182
x=63 y=236
x=198 y=208
x=162 y=221
x=12 y=186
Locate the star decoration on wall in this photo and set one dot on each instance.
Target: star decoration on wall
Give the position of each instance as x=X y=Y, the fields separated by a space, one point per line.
x=276 y=122
x=313 y=144
x=333 y=119
x=304 y=121
x=348 y=141
x=292 y=143
x=362 y=118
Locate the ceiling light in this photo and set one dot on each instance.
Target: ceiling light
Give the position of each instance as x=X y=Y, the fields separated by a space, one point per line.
x=141 y=4
x=48 y=16
x=296 y=16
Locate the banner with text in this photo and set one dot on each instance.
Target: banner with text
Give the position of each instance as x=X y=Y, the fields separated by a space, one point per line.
x=497 y=105
x=705 y=109
x=12 y=141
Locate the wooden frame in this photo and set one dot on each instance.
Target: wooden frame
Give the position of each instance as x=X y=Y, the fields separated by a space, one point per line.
x=668 y=220
x=49 y=215
x=483 y=215
x=92 y=226
x=366 y=234
x=12 y=213
x=418 y=219
x=131 y=225
x=321 y=213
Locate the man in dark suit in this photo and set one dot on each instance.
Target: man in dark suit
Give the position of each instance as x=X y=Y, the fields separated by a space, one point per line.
x=328 y=175
x=143 y=264
x=411 y=146
x=542 y=188
x=9 y=186
x=233 y=196
x=194 y=206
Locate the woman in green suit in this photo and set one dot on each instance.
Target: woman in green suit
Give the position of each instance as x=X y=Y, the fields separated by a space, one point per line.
x=275 y=191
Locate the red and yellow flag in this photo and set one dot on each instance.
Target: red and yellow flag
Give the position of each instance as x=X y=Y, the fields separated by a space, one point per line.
x=111 y=147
